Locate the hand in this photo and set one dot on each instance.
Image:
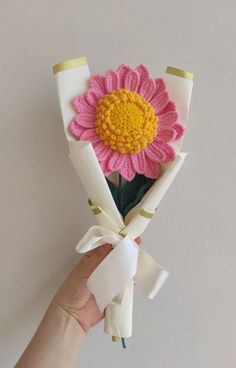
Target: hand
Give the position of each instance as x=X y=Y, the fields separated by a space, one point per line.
x=74 y=297
x=72 y=312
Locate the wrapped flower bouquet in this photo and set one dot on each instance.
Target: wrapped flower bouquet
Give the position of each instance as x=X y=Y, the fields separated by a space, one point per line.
x=124 y=131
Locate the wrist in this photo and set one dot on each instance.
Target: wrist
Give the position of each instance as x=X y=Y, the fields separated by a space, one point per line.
x=68 y=315
x=57 y=341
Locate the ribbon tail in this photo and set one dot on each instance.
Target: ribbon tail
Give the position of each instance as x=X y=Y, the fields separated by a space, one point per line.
x=96 y=236
x=119 y=298
x=114 y=272
x=118 y=317
x=150 y=276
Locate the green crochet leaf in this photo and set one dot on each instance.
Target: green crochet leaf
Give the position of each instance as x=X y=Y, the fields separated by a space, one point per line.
x=131 y=193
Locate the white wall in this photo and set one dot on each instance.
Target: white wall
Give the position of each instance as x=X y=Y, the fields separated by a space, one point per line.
x=191 y=324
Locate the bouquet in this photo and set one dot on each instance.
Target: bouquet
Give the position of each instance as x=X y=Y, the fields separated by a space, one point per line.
x=124 y=132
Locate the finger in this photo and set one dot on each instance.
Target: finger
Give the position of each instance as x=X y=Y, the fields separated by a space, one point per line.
x=93 y=258
x=138 y=240
x=90 y=253
x=104 y=250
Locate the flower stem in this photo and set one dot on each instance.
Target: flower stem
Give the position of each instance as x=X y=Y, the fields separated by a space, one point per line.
x=123 y=343
x=120 y=181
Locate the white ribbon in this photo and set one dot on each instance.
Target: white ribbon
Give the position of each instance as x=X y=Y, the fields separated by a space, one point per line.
x=124 y=263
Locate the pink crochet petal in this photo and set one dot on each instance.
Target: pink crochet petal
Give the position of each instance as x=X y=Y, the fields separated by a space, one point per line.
x=80 y=104
x=153 y=90
x=104 y=167
x=86 y=120
x=143 y=72
x=147 y=88
x=94 y=140
x=151 y=169
x=166 y=148
x=160 y=85
x=167 y=134
x=132 y=80
x=179 y=131
x=160 y=101
x=89 y=134
x=111 y=81
x=154 y=153
x=170 y=107
x=138 y=162
x=102 y=151
x=115 y=161
x=75 y=129
x=92 y=99
x=121 y=72
x=126 y=169
x=97 y=84
x=167 y=119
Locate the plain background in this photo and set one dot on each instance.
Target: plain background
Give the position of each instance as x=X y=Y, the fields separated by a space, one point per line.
x=191 y=323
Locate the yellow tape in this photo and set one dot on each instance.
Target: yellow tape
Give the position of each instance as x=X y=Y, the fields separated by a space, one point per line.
x=90 y=202
x=115 y=338
x=180 y=73
x=146 y=214
x=121 y=233
x=69 y=64
x=97 y=210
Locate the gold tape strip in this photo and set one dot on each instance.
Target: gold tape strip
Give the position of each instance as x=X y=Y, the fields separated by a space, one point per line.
x=69 y=64
x=115 y=338
x=180 y=73
x=121 y=233
x=90 y=202
x=97 y=210
x=146 y=214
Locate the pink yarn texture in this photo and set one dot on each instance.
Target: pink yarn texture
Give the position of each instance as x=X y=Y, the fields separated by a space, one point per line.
x=148 y=160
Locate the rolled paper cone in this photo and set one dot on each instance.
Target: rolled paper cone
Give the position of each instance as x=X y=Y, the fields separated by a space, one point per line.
x=179 y=85
x=72 y=80
x=159 y=189
x=140 y=216
x=90 y=173
x=150 y=275
x=118 y=317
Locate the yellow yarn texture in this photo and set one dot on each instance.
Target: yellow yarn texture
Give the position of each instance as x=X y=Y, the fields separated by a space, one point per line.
x=125 y=121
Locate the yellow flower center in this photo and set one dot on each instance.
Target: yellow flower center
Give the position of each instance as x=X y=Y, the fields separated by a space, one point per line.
x=125 y=121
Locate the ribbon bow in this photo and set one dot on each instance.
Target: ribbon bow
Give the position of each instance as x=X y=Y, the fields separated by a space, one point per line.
x=125 y=262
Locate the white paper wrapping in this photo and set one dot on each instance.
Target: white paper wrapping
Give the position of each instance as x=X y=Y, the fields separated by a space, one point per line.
x=113 y=281
x=100 y=283
x=180 y=84
x=118 y=317
x=71 y=82
x=87 y=167
x=136 y=223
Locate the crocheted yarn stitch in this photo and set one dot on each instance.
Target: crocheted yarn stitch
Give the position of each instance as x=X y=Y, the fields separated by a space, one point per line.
x=130 y=121
x=130 y=194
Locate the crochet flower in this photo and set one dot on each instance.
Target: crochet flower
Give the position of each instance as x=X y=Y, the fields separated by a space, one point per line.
x=130 y=121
